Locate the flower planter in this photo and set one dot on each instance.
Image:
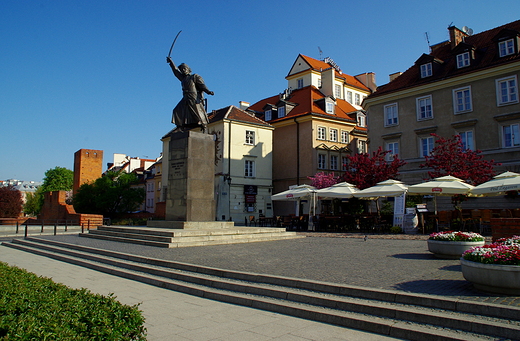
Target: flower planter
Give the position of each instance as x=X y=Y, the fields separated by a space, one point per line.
x=495 y=278
x=450 y=249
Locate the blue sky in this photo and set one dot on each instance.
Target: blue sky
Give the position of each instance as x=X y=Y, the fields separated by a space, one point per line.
x=92 y=74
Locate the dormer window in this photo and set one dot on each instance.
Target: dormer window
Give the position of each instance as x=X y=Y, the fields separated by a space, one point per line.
x=281 y=112
x=426 y=70
x=463 y=60
x=329 y=107
x=361 y=120
x=506 y=47
x=268 y=115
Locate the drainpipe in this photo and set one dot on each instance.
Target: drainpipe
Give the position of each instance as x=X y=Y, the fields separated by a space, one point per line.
x=229 y=170
x=297 y=151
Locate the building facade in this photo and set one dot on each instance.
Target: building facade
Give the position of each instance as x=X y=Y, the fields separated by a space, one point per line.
x=318 y=121
x=466 y=86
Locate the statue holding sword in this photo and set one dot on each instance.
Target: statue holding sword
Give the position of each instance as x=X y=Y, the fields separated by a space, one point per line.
x=190 y=112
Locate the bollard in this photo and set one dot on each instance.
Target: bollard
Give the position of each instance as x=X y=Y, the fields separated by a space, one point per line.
x=55 y=228
x=88 y=225
x=82 y=227
x=42 y=227
x=25 y=236
x=65 y=225
x=16 y=227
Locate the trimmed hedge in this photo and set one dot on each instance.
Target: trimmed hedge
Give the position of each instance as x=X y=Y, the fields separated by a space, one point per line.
x=36 y=308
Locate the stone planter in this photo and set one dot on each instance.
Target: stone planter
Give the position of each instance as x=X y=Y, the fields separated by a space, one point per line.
x=450 y=249
x=499 y=279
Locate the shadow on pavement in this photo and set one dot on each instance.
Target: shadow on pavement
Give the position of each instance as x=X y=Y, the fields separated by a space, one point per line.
x=439 y=287
x=413 y=256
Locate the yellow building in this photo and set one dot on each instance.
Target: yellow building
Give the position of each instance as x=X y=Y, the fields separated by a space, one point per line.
x=318 y=121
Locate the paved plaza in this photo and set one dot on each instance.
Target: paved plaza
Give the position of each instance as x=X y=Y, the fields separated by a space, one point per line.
x=395 y=264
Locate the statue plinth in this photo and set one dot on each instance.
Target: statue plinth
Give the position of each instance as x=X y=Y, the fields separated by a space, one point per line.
x=191 y=177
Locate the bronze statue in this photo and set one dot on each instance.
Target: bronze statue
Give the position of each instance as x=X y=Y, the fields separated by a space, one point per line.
x=190 y=112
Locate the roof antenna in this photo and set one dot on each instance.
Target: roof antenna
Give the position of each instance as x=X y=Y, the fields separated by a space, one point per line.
x=321 y=52
x=427 y=40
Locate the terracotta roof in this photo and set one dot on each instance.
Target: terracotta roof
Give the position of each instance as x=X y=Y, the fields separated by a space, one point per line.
x=306 y=102
x=235 y=114
x=485 y=49
x=320 y=65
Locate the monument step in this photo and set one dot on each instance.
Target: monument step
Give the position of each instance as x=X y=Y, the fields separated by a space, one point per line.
x=191 y=232
x=394 y=313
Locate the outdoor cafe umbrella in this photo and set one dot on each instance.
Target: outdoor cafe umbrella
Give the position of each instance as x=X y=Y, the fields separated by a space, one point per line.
x=387 y=188
x=444 y=185
x=500 y=184
x=342 y=190
x=297 y=193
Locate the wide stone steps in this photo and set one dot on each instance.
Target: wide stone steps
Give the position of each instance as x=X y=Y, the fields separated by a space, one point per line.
x=170 y=238
x=393 y=313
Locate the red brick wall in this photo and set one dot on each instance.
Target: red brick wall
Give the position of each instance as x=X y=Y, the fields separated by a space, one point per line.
x=88 y=166
x=505 y=227
x=56 y=210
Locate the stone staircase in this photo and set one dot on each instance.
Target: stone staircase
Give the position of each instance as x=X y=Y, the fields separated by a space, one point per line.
x=397 y=314
x=193 y=235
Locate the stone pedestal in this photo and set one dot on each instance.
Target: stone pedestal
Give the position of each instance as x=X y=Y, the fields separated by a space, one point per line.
x=191 y=163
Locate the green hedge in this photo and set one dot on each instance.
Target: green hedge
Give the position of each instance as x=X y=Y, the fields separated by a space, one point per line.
x=36 y=308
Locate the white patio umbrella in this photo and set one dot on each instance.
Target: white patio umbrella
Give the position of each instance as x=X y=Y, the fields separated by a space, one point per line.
x=387 y=188
x=444 y=185
x=500 y=184
x=297 y=193
x=341 y=190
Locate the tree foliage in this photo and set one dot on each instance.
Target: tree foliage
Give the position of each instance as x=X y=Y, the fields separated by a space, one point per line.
x=365 y=171
x=109 y=195
x=449 y=157
x=32 y=204
x=323 y=180
x=10 y=202
x=58 y=179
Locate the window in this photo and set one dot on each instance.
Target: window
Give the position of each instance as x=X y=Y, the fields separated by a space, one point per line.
x=344 y=136
x=322 y=131
x=511 y=135
x=507 y=47
x=329 y=107
x=322 y=163
x=319 y=82
x=462 y=100
x=358 y=99
x=393 y=147
x=268 y=115
x=281 y=112
x=249 y=169
x=463 y=60
x=426 y=70
x=361 y=120
x=466 y=138
x=300 y=83
x=507 y=91
x=250 y=137
x=424 y=108
x=391 y=115
x=333 y=134
x=362 y=146
x=349 y=97
x=334 y=162
x=426 y=146
x=337 y=91
x=344 y=162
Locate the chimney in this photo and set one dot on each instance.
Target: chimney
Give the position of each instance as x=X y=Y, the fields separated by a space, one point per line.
x=243 y=105
x=456 y=36
x=394 y=75
x=368 y=79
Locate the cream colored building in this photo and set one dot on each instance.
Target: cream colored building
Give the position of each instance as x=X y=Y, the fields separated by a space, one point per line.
x=243 y=169
x=318 y=121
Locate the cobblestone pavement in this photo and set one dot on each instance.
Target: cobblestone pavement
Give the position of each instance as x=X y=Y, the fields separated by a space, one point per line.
x=382 y=261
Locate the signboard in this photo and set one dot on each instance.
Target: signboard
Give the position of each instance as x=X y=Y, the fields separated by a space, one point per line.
x=250 y=189
x=436 y=189
x=250 y=198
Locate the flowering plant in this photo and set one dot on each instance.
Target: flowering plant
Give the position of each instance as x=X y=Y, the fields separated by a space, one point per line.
x=505 y=251
x=457 y=236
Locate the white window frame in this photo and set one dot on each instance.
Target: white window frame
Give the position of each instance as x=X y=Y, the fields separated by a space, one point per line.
x=345 y=136
x=281 y=112
x=334 y=162
x=393 y=148
x=250 y=137
x=427 y=142
x=426 y=70
x=337 y=90
x=329 y=107
x=249 y=168
x=391 y=115
x=507 y=92
x=344 y=162
x=322 y=161
x=468 y=140
x=357 y=99
x=268 y=115
x=506 y=47
x=333 y=135
x=361 y=120
x=426 y=103
x=462 y=100
x=463 y=60
x=362 y=146
x=300 y=83
x=514 y=132
x=349 y=97
x=321 y=133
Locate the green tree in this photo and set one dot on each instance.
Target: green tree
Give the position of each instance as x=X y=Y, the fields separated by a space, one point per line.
x=10 y=202
x=58 y=179
x=32 y=205
x=109 y=195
